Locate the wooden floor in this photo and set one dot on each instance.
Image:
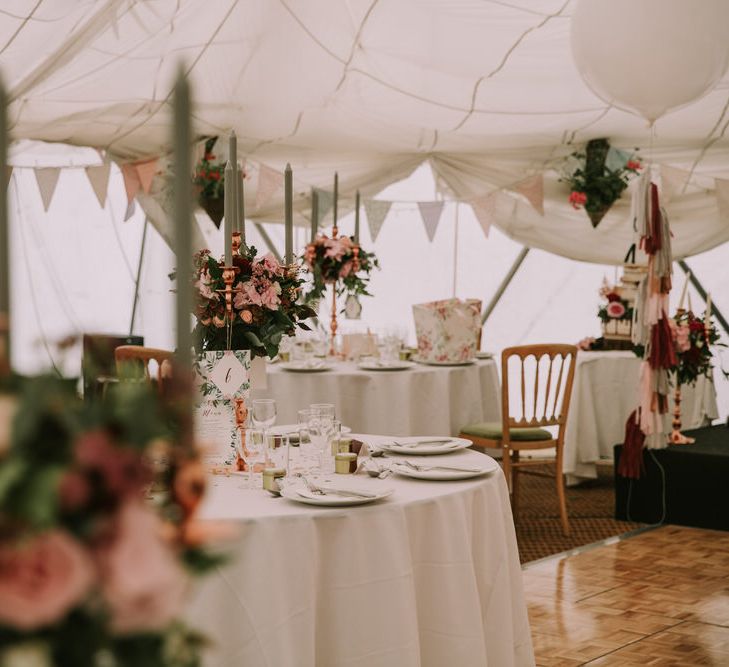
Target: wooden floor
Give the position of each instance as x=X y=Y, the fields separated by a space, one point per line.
x=658 y=598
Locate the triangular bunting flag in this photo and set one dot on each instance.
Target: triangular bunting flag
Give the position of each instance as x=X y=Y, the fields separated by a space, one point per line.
x=269 y=182
x=99 y=179
x=131 y=207
x=131 y=181
x=673 y=181
x=47 y=178
x=326 y=201
x=376 y=210
x=146 y=172
x=617 y=158
x=8 y=174
x=484 y=209
x=431 y=211
x=533 y=189
x=721 y=186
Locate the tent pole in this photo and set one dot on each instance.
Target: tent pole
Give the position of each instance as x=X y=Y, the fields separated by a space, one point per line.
x=139 y=275
x=267 y=240
x=455 y=252
x=504 y=284
x=702 y=293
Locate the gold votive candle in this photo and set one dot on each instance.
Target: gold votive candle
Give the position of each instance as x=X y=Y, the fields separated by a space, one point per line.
x=345 y=445
x=345 y=463
x=270 y=475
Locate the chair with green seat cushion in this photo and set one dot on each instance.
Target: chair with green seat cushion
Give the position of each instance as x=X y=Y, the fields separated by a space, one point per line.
x=546 y=403
x=492 y=431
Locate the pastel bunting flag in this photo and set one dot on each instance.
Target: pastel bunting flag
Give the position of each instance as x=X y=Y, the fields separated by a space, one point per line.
x=8 y=174
x=131 y=181
x=721 y=186
x=376 y=210
x=484 y=209
x=617 y=158
x=673 y=181
x=146 y=171
x=99 y=180
x=431 y=211
x=131 y=208
x=270 y=181
x=532 y=189
x=326 y=201
x=47 y=178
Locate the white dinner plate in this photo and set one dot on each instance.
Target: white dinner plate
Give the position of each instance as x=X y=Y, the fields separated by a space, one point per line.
x=303 y=367
x=425 y=446
x=302 y=495
x=385 y=365
x=446 y=473
x=484 y=355
x=445 y=363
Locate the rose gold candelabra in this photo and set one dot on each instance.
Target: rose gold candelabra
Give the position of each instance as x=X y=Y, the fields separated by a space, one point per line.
x=676 y=437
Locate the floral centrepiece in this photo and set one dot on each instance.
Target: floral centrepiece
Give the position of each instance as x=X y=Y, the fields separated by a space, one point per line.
x=693 y=346
x=340 y=262
x=265 y=304
x=597 y=183
x=91 y=573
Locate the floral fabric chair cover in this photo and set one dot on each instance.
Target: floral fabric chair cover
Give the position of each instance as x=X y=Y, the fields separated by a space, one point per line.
x=448 y=330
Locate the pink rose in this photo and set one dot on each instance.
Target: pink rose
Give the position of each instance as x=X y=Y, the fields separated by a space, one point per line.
x=682 y=338
x=204 y=285
x=42 y=579
x=272 y=265
x=586 y=343
x=142 y=580
x=615 y=309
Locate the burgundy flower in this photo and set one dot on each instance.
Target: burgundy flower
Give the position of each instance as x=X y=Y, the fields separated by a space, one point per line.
x=615 y=309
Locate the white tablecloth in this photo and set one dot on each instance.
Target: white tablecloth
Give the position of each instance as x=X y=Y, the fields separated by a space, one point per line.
x=424 y=400
x=605 y=392
x=429 y=576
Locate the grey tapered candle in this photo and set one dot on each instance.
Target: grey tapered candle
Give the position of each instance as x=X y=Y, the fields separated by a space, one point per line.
x=233 y=159
x=356 y=217
x=229 y=211
x=336 y=199
x=241 y=206
x=314 y=213
x=288 y=215
x=183 y=217
x=4 y=234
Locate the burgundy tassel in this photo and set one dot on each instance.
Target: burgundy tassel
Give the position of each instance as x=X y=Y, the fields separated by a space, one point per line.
x=654 y=242
x=631 y=460
x=663 y=351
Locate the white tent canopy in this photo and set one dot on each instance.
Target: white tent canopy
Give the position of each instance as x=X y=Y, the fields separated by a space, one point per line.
x=487 y=92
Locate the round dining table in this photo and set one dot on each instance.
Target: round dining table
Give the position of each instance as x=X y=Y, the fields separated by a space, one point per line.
x=419 y=400
x=428 y=576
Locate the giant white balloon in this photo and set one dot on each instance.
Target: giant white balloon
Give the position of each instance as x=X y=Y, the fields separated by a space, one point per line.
x=651 y=56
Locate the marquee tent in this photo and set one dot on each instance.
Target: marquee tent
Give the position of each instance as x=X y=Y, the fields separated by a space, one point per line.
x=486 y=92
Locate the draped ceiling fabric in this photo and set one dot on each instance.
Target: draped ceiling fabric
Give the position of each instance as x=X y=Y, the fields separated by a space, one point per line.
x=486 y=91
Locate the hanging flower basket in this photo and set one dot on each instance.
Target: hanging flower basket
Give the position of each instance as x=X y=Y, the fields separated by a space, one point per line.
x=601 y=176
x=214 y=207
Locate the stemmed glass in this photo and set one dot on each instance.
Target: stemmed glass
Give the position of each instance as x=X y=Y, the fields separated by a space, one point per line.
x=263 y=414
x=252 y=451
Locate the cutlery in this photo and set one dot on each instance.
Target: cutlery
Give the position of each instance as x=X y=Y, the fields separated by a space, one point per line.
x=346 y=493
x=425 y=441
x=423 y=468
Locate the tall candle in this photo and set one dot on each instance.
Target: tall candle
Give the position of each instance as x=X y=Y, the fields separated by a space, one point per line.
x=233 y=159
x=707 y=316
x=183 y=217
x=314 y=213
x=683 y=291
x=356 y=218
x=288 y=215
x=335 y=204
x=241 y=206
x=229 y=209
x=4 y=235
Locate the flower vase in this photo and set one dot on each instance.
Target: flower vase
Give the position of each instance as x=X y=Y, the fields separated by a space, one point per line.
x=222 y=379
x=214 y=207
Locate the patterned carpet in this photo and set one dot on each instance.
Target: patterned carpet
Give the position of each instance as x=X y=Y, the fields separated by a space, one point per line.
x=590 y=506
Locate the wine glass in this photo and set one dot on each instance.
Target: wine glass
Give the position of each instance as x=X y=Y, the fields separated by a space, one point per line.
x=321 y=428
x=326 y=409
x=253 y=452
x=263 y=414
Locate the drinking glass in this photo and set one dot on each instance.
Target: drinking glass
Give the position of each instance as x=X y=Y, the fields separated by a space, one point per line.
x=263 y=415
x=278 y=452
x=326 y=409
x=307 y=450
x=321 y=428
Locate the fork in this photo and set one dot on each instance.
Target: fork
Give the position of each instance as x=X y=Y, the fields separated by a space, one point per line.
x=422 y=468
x=317 y=490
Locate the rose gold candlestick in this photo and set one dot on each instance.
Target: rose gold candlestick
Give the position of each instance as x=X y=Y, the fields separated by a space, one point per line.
x=676 y=437
x=333 y=324
x=241 y=416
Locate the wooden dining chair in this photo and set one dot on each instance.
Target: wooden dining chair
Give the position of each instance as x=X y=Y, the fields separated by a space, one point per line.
x=132 y=362
x=536 y=402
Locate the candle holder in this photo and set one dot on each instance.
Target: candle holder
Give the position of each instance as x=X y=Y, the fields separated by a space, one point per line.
x=676 y=437
x=241 y=417
x=229 y=273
